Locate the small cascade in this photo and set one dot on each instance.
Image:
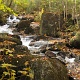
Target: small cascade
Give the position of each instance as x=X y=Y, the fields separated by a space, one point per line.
x=5 y=29
x=10 y=21
x=26 y=40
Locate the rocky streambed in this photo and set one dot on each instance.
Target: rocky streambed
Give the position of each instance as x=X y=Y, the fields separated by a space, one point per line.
x=48 y=58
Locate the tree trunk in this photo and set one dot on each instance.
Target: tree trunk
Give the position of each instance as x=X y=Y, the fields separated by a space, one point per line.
x=66 y=9
x=59 y=20
x=64 y=13
x=41 y=27
x=10 y=3
x=75 y=12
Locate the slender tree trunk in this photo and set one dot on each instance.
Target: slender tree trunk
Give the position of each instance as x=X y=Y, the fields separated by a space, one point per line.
x=64 y=13
x=72 y=13
x=49 y=5
x=10 y=3
x=75 y=12
x=66 y=9
x=41 y=27
x=59 y=20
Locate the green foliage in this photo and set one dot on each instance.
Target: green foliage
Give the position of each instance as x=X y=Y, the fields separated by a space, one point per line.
x=0 y=1
x=27 y=71
x=6 y=9
x=7 y=52
x=10 y=72
x=6 y=65
x=55 y=6
x=39 y=14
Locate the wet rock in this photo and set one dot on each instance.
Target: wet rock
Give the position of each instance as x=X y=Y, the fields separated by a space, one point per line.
x=63 y=54
x=21 y=49
x=71 y=78
x=11 y=16
x=42 y=37
x=50 y=54
x=31 y=43
x=43 y=48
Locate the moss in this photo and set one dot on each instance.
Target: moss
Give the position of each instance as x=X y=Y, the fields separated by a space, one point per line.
x=49 y=69
x=12 y=38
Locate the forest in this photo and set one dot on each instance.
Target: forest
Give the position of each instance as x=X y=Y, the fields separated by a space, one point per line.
x=39 y=39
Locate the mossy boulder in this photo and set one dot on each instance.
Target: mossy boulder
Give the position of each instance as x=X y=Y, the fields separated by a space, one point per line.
x=75 y=41
x=9 y=41
x=51 y=23
x=49 y=69
x=24 y=25
x=20 y=49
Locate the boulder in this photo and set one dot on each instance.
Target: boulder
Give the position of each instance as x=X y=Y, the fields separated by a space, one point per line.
x=50 y=23
x=48 y=69
x=75 y=41
x=43 y=49
x=50 y=54
x=20 y=49
x=9 y=41
x=24 y=25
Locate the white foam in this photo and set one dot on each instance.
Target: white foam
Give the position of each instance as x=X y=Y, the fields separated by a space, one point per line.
x=5 y=29
x=69 y=60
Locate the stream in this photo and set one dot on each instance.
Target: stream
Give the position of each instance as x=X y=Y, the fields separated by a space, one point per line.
x=27 y=39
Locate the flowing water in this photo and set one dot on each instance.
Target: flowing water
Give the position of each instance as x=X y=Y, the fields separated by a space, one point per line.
x=7 y=28
x=27 y=39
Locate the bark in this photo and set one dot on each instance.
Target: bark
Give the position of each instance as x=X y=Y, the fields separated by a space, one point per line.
x=64 y=13
x=41 y=27
x=66 y=9
x=11 y=1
